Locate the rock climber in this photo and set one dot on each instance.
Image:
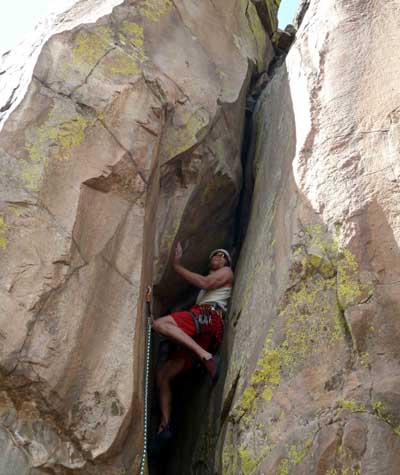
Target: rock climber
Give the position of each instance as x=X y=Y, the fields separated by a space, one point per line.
x=199 y=330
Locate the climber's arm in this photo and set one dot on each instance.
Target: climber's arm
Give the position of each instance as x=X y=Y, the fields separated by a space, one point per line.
x=215 y=280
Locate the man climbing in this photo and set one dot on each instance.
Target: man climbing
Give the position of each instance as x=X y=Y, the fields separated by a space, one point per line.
x=197 y=331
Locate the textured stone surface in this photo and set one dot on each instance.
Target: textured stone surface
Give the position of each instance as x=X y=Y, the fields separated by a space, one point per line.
x=313 y=382
x=131 y=121
x=16 y=65
x=121 y=145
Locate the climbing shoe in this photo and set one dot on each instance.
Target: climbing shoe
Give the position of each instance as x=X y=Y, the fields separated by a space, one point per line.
x=213 y=367
x=160 y=442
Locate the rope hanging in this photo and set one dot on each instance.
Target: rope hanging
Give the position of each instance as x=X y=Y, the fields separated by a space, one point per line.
x=146 y=380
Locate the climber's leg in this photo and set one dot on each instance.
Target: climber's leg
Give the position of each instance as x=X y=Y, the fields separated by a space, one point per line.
x=165 y=375
x=168 y=327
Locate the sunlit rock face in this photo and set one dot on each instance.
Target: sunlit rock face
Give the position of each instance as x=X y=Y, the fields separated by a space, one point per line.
x=128 y=136
x=16 y=65
x=313 y=379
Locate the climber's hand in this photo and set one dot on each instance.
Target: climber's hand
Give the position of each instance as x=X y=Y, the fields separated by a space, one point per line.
x=178 y=254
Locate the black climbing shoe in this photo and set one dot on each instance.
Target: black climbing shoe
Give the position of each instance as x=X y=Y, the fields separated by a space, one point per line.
x=213 y=367
x=166 y=434
x=160 y=442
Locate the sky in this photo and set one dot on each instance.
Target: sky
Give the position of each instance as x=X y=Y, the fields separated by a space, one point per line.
x=19 y=17
x=286 y=12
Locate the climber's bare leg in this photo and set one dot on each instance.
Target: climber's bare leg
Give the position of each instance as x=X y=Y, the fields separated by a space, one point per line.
x=168 y=327
x=165 y=376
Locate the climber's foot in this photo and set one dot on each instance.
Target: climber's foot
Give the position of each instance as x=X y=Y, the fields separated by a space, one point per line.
x=213 y=367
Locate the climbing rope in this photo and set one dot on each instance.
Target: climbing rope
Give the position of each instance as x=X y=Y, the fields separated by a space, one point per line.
x=146 y=380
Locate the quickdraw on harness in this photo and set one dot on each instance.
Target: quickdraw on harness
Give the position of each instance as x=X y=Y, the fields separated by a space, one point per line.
x=150 y=320
x=206 y=316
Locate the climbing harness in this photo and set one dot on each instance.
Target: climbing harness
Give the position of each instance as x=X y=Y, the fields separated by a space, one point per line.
x=206 y=316
x=150 y=320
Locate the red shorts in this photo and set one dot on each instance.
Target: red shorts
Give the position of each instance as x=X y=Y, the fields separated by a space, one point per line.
x=204 y=325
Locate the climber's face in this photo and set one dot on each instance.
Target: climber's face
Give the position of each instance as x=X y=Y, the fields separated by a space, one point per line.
x=218 y=260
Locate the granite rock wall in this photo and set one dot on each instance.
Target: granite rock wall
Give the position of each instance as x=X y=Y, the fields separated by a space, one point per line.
x=124 y=136
x=312 y=383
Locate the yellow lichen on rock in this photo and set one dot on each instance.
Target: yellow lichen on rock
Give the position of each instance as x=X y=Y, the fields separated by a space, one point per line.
x=182 y=137
x=272 y=9
x=249 y=462
x=297 y=452
x=304 y=335
x=349 y=291
x=90 y=46
x=3 y=231
x=132 y=34
x=230 y=456
x=121 y=63
x=63 y=138
x=153 y=10
x=309 y=315
x=283 y=468
x=259 y=34
x=353 y=406
x=56 y=138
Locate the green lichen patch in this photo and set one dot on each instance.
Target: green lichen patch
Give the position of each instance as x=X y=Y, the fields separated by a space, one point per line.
x=62 y=138
x=154 y=10
x=252 y=452
x=272 y=9
x=312 y=323
x=376 y=408
x=258 y=31
x=17 y=210
x=364 y=359
x=121 y=63
x=345 y=463
x=383 y=413
x=353 y=406
x=247 y=403
x=297 y=452
x=396 y=430
x=90 y=46
x=309 y=326
x=3 y=233
x=132 y=35
x=349 y=287
x=57 y=138
x=344 y=471
x=250 y=462
x=32 y=175
x=181 y=137
x=321 y=240
x=310 y=313
x=283 y=467
x=230 y=455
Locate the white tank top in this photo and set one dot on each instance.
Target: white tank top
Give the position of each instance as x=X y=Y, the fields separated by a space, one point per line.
x=221 y=296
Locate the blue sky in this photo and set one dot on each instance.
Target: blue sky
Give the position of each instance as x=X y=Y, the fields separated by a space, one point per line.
x=286 y=12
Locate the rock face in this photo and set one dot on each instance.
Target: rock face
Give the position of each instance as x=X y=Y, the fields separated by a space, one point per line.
x=126 y=136
x=313 y=380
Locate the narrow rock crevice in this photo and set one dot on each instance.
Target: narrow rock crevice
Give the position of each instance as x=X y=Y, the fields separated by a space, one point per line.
x=196 y=429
